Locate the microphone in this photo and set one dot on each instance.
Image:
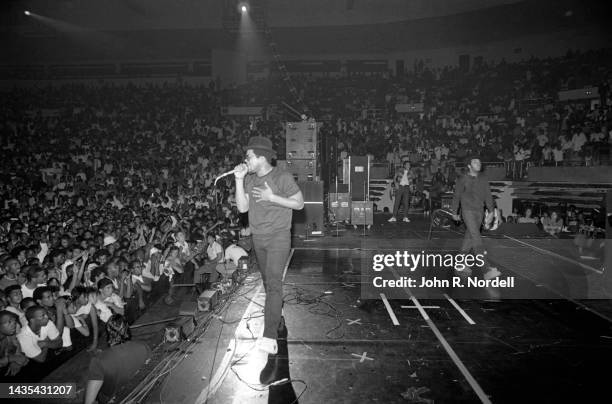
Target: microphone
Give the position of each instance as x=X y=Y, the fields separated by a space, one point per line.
x=224 y=175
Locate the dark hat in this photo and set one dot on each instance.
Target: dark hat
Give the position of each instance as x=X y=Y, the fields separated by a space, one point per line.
x=260 y=143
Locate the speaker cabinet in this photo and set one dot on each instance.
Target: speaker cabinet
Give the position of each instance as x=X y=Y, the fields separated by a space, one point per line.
x=309 y=220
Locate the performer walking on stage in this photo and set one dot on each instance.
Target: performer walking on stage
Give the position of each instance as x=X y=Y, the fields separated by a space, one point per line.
x=403 y=182
x=269 y=196
x=472 y=193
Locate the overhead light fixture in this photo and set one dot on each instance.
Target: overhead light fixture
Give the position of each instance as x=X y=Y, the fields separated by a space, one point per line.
x=243 y=7
x=26 y=12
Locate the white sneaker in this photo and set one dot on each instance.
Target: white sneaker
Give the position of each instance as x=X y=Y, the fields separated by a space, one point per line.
x=406 y=220
x=492 y=273
x=393 y=219
x=267 y=345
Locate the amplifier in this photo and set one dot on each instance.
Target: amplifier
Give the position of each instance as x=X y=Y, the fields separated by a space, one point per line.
x=340 y=206
x=188 y=308
x=208 y=300
x=362 y=213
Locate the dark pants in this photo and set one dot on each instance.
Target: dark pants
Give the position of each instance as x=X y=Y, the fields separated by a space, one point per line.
x=472 y=239
x=402 y=195
x=272 y=251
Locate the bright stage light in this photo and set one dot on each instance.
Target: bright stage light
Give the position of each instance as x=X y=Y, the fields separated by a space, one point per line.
x=26 y=12
x=243 y=9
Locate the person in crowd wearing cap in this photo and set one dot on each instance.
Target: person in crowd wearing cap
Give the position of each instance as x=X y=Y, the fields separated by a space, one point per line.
x=110 y=243
x=472 y=194
x=117 y=364
x=269 y=196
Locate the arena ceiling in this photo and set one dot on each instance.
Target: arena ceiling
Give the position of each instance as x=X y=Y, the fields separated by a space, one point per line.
x=143 y=29
x=208 y=14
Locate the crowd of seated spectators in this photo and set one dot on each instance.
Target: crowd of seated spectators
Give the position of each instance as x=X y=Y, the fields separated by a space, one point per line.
x=507 y=112
x=107 y=200
x=560 y=220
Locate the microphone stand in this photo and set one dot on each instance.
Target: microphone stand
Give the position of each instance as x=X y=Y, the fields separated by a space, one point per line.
x=365 y=209
x=337 y=208
x=335 y=165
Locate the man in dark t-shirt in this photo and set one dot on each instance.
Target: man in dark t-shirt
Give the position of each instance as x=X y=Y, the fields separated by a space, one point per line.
x=269 y=195
x=472 y=194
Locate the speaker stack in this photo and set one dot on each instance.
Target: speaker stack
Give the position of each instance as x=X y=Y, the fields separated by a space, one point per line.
x=301 y=150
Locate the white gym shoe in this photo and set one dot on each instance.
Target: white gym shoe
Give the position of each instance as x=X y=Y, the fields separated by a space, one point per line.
x=492 y=273
x=393 y=219
x=406 y=220
x=267 y=345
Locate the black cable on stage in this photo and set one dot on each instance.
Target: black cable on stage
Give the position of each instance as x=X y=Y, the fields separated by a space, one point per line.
x=299 y=299
x=165 y=368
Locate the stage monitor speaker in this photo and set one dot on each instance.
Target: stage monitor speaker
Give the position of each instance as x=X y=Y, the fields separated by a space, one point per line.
x=309 y=220
x=311 y=190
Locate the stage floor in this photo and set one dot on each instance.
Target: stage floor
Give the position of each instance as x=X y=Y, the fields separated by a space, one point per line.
x=341 y=349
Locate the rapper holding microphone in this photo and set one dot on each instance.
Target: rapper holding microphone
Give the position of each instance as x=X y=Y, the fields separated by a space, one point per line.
x=269 y=195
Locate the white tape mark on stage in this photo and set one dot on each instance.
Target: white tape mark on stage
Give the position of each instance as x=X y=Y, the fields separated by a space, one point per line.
x=459 y=309
x=389 y=309
x=223 y=369
x=553 y=254
x=449 y=350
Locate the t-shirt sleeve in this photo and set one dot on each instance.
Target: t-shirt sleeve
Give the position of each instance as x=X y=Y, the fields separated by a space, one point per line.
x=29 y=347
x=287 y=185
